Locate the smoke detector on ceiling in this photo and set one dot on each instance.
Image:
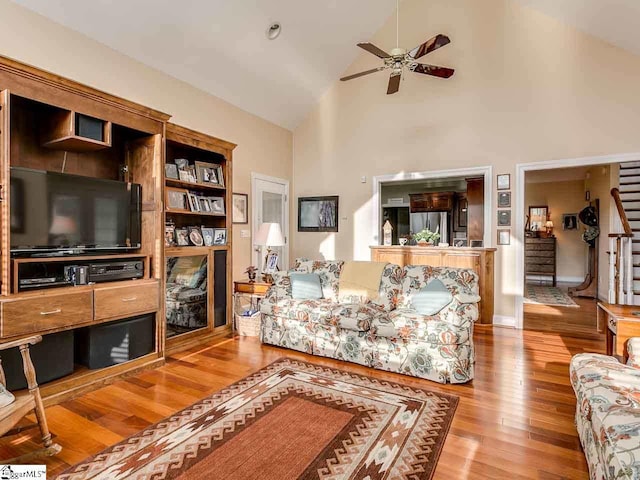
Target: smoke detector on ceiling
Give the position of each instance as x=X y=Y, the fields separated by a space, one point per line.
x=274 y=30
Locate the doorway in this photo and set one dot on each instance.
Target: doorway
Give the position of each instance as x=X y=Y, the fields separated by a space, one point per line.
x=270 y=204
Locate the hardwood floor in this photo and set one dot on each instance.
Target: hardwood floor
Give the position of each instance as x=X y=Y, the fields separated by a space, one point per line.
x=571 y=321
x=515 y=420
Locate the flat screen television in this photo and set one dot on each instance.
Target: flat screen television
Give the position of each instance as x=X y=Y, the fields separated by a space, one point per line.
x=60 y=213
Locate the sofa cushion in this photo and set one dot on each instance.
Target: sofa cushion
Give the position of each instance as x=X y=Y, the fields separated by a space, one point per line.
x=329 y=272
x=461 y=282
x=356 y=316
x=408 y=324
x=432 y=298
x=305 y=286
x=315 y=311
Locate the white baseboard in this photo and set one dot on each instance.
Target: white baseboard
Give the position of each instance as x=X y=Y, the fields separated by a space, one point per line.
x=504 y=321
x=537 y=278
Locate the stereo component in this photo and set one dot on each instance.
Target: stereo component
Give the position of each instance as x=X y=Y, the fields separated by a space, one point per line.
x=110 y=271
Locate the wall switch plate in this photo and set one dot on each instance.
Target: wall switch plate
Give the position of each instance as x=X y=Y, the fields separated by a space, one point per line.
x=245 y=233
x=363 y=179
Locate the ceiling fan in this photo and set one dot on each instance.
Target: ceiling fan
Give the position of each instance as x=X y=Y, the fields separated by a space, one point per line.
x=401 y=58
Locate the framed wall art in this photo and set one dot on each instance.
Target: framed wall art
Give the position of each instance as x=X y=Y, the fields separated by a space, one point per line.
x=504 y=237
x=318 y=214
x=504 y=199
x=504 y=218
x=504 y=181
x=240 y=208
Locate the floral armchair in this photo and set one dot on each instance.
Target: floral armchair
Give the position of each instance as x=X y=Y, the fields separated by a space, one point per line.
x=608 y=412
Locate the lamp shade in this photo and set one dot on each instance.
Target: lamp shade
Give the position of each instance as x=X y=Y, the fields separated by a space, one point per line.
x=269 y=235
x=549 y=224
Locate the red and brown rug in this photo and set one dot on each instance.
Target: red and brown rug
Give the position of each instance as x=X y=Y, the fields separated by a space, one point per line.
x=290 y=420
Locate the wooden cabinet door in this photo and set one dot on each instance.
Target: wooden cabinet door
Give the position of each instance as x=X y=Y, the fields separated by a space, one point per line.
x=460 y=213
x=442 y=201
x=475 y=209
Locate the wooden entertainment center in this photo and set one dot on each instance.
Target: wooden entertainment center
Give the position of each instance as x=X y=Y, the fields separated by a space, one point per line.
x=44 y=120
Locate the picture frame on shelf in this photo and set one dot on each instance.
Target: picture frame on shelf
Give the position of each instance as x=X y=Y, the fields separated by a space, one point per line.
x=182 y=237
x=181 y=163
x=207 y=173
x=460 y=242
x=271 y=263
x=217 y=205
x=504 y=218
x=205 y=206
x=194 y=204
x=504 y=237
x=171 y=171
x=219 y=236
x=240 y=208
x=504 y=199
x=195 y=236
x=188 y=174
x=207 y=236
x=504 y=181
x=177 y=199
x=318 y=214
x=169 y=235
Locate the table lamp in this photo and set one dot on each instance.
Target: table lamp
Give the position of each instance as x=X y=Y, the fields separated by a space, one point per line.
x=269 y=235
x=549 y=227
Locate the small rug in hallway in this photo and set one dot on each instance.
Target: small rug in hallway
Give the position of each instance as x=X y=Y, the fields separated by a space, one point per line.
x=546 y=295
x=290 y=420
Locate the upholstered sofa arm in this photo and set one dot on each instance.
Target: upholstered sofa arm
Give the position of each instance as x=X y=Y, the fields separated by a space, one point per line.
x=633 y=348
x=466 y=296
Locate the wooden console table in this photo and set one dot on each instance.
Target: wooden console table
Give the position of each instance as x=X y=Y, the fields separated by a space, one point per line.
x=621 y=322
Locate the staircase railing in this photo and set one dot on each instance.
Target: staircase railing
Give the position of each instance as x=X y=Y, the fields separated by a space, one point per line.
x=621 y=258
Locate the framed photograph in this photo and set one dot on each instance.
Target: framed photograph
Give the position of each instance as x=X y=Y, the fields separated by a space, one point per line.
x=217 y=205
x=207 y=235
x=476 y=244
x=504 y=237
x=569 y=221
x=318 y=214
x=460 y=242
x=194 y=203
x=240 y=208
x=271 y=264
x=188 y=174
x=504 y=181
x=504 y=218
x=182 y=237
x=171 y=171
x=504 y=199
x=181 y=163
x=195 y=236
x=177 y=199
x=169 y=235
x=207 y=173
x=205 y=206
x=219 y=236
x=220 y=173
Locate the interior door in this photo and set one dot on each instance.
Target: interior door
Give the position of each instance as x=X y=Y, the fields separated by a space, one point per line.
x=270 y=203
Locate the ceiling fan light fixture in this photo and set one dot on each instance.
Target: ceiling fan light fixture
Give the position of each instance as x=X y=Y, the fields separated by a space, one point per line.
x=274 y=30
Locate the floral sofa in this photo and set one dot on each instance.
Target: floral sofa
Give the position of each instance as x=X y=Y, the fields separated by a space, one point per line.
x=608 y=412
x=385 y=332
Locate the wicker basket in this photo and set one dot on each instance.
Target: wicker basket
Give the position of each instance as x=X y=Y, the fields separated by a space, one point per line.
x=248 y=326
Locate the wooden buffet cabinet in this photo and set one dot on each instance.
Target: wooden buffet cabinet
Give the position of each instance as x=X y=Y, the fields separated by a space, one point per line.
x=38 y=130
x=480 y=260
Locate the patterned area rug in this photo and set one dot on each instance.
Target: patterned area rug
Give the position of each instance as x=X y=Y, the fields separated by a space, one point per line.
x=290 y=420
x=545 y=295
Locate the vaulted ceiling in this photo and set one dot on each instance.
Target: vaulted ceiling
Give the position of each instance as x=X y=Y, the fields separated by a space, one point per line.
x=220 y=46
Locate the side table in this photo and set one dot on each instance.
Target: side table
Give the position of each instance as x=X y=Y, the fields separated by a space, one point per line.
x=621 y=322
x=251 y=291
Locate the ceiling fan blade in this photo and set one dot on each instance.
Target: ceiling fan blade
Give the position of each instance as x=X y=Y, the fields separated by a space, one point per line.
x=371 y=48
x=361 y=74
x=429 y=46
x=442 y=72
x=394 y=82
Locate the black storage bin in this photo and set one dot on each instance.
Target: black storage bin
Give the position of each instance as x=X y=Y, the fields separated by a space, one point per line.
x=115 y=342
x=52 y=359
